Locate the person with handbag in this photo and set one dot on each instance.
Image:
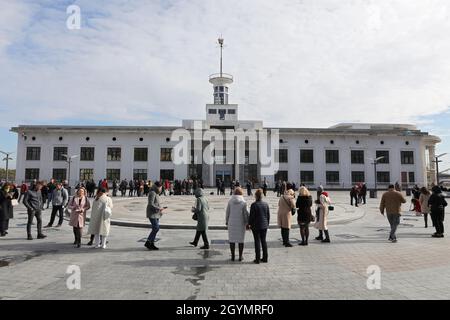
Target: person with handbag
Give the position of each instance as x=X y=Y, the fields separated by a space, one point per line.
x=6 y=208
x=78 y=206
x=200 y=214
x=236 y=220
x=258 y=222
x=324 y=205
x=437 y=204
x=304 y=215
x=100 y=222
x=286 y=208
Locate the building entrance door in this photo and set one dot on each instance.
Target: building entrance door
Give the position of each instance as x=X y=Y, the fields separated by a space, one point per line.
x=224 y=175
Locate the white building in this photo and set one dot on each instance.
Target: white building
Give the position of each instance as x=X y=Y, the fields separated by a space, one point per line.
x=336 y=157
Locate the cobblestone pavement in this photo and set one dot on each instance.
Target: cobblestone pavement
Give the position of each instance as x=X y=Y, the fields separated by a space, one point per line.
x=417 y=267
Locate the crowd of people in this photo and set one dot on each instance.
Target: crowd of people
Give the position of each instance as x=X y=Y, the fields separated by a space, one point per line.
x=238 y=216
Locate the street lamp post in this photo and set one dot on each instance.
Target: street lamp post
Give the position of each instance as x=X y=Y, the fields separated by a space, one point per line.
x=375 y=162
x=69 y=161
x=7 y=158
x=437 y=166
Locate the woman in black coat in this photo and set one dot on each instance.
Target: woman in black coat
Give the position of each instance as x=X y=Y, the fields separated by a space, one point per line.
x=437 y=204
x=304 y=217
x=6 y=208
x=259 y=223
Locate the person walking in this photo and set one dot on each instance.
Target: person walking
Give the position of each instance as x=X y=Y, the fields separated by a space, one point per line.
x=34 y=203
x=391 y=202
x=6 y=208
x=304 y=215
x=249 y=188
x=131 y=185
x=264 y=188
x=236 y=220
x=285 y=206
x=60 y=198
x=78 y=206
x=437 y=205
x=51 y=186
x=354 y=196
x=115 y=185
x=258 y=221
x=100 y=222
x=423 y=200
x=363 y=193
x=201 y=212
x=154 y=213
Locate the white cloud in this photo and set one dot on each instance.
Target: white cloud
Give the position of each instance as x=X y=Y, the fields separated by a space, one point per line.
x=296 y=63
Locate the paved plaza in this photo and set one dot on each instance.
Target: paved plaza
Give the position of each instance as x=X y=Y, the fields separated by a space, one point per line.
x=417 y=267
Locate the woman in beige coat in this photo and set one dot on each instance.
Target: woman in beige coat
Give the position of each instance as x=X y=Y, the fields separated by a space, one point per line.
x=78 y=206
x=321 y=224
x=285 y=206
x=423 y=199
x=100 y=221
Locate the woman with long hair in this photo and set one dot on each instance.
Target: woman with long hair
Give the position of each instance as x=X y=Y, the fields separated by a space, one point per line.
x=304 y=215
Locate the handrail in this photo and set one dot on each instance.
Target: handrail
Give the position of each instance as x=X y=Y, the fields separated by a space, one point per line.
x=223 y=75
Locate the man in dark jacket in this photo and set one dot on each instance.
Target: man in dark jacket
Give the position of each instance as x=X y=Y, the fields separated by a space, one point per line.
x=34 y=204
x=259 y=223
x=437 y=203
x=154 y=213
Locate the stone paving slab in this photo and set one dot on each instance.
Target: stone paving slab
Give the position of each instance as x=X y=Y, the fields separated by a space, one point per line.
x=417 y=267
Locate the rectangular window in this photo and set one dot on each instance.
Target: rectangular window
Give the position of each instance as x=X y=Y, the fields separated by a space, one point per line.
x=306 y=156
x=281 y=175
x=33 y=153
x=87 y=153
x=412 y=177
x=384 y=154
x=332 y=156
x=307 y=177
x=166 y=174
x=282 y=156
x=332 y=177
x=357 y=156
x=407 y=157
x=222 y=112
x=113 y=174
x=86 y=174
x=231 y=111
x=140 y=174
x=140 y=154
x=383 y=177
x=212 y=111
x=358 y=176
x=58 y=153
x=114 y=154
x=166 y=154
x=31 y=174
x=59 y=174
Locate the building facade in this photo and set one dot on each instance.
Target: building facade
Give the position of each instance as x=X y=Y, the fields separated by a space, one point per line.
x=335 y=157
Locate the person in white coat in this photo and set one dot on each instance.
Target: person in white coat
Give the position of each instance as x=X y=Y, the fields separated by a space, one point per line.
x=100 y=222
x=237 y=221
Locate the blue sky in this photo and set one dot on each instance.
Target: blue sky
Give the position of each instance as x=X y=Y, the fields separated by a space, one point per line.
x=304 y=63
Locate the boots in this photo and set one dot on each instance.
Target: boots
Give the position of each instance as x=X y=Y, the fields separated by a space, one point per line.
x=241 y=251
x=327 y=236
x=232 y=247
x=151 y=246
x=320 y=237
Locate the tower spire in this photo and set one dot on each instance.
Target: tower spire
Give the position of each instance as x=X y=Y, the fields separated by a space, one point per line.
x=220 y=40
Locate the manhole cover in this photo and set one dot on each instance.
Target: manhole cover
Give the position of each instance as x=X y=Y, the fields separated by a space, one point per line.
x=406 y=225
x=219 y=241
x=347 y=236
x=412 y=219
x=145 y=240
